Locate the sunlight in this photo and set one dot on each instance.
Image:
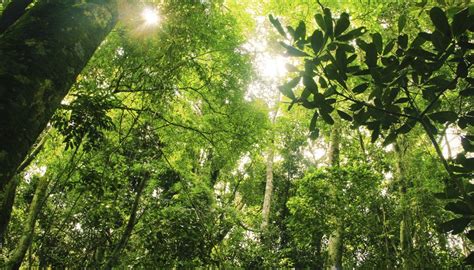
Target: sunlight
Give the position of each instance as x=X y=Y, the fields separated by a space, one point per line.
x=271 y=67
x=150 y=16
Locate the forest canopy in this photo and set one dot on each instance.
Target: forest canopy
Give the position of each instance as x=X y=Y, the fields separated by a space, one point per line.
x=303 y=134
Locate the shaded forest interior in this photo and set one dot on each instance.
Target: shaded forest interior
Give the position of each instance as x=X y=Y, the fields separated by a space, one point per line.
x=222 y=134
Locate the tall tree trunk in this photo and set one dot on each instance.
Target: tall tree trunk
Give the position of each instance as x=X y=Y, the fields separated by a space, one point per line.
x=115 y=256
x=405 y=223
x=42 y=53
x=268 y=189
x=15 y=260
x=10 y=191
x=267 y=199
x=335 y=244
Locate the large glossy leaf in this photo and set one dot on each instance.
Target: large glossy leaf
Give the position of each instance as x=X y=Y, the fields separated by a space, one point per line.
x=317 y=41
x=342 y=24
x=440 y=21
x=444 y=116
x=352 y=34
x=371 y=55
x=460 y=22
x=455 y=226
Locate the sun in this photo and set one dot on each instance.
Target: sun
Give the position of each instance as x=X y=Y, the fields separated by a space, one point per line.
x=150 y=16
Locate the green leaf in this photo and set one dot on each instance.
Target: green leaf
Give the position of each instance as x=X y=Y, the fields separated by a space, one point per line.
x=276 y=23
x=469 y=260
x=342 y=24
x=327 y=118
x=310 y=84
x=460 y=22
x=371 y=55
x=352 y=34
x=440 y=21
x=344 y=115
x=389 y=47
x=402 y=20
x=392 y=136
x=312 y=124
x=286 y=89
x=403 y=41
x=455 y=226
x=356 y=106
x=317 y=41
x=469 y=92
x=444 y=116
x=360 y=88
x=458 y=207
x=409 y=125
x=320 y=21
x=462 y=70
x=292 y=51
x=375 y=134
x=377 y=40
x=300 y=31
x=322 y=82
x=314 y=134
x=328 y=22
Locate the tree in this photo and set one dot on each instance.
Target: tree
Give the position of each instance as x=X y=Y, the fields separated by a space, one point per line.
x=54 y=40
x=390 y=91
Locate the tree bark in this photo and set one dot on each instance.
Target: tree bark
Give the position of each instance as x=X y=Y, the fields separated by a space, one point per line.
x=405 y=223
x=15 y=260
x=7 y=205
x=41 y=55
x=267 y=199
x=114 y=257
x=268 y=189
x=335 y=244
x=12 y=12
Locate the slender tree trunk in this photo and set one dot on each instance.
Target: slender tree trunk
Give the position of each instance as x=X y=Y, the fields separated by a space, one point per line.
x=42 y=53
x=7 y=204
x=405 y=223
x=335 y=244
x=15 y=260
x=267 y=200
x=268 y=189
x=115 y=256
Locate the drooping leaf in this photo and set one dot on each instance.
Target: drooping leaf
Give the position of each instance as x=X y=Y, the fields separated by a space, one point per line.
x=402 y=20
x=458 y=207
x=371 y=55
x=292 y=51
x=360 y=88
x=460 y=22
x=352 y=34
x=444 y=116
x=469 y=92
x=455 y=226
x=300 y=31
x=344 y=115
x=327 y=118
x=317 y=41
x=342 y=24
x=320 y=21
x=276 y=23
x=391 y=137
x=377 y=40
x=440 y=21
x=328 y=22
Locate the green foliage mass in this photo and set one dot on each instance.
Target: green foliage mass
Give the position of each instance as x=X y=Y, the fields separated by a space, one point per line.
x=160 y=158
